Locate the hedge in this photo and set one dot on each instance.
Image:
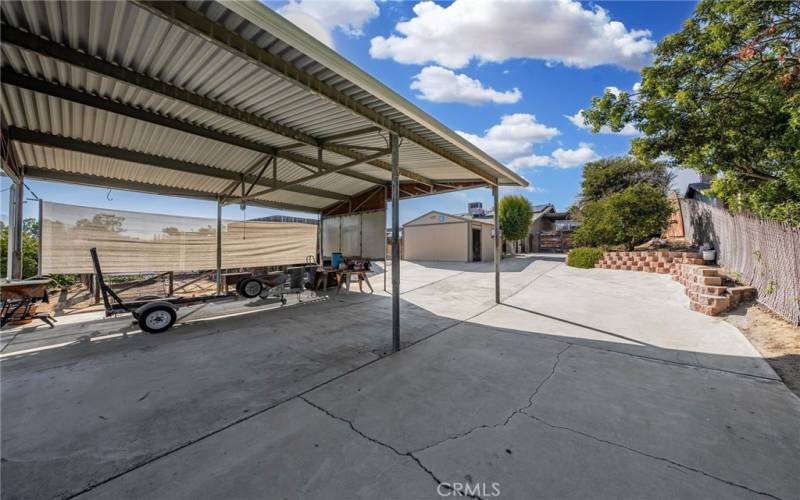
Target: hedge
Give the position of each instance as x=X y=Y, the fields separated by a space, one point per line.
x=584 y=257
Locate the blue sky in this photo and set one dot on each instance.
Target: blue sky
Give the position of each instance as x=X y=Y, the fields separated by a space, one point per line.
x=508 y=75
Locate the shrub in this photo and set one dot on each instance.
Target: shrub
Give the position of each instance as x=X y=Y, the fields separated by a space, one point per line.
x=515 y=217
x=584 y=257
x=626 y=218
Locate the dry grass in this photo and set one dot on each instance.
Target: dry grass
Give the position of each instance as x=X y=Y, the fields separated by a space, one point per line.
x=776 y=340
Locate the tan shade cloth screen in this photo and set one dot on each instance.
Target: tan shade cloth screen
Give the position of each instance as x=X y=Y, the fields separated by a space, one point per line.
x=140 y=242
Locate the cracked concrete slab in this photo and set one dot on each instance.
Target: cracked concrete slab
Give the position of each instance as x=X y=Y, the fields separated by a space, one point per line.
x=527 y=459
x=75 y=415
x=736 y=428
x=290 y=451
x=639 y=313
x=465 y=377
x=624 y=410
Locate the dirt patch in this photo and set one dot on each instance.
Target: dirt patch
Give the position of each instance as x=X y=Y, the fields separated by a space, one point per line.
x=776 y=340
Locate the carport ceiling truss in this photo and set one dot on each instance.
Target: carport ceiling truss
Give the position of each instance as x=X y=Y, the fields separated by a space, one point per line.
x=228 y=102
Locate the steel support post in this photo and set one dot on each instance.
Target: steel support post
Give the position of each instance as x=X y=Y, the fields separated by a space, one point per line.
x=320 y=256
x=394 y=146
x=498 y=243
x=219 y=246
x=15 y=204
x=385 y=256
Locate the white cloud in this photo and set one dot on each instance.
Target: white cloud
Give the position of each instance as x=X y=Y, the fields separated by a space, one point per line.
x=489 y=31
x=568 y=158
x=578 y=121
x=437 y=84
x=513 y=137
x=530 y=161
x=511 y=141
x=319 y=18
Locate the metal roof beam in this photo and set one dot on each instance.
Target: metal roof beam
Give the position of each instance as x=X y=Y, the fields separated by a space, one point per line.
x=314 y=163
x=70 y=144
x=351 y=133
x=96 y=180
x=312 y=177
x=197 y=23
x=11 y=77
x=14 y=36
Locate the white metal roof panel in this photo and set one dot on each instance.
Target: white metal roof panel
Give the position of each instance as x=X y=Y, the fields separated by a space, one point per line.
x=138 y=37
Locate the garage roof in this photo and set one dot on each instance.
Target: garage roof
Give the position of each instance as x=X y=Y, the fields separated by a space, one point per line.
x=211 y=100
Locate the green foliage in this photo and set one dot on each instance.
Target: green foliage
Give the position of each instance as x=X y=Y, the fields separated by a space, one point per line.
x=30 y=248
x=584 y=257
x=722 y=96
x=628 y=217
x=606 y=176
x=515 y=217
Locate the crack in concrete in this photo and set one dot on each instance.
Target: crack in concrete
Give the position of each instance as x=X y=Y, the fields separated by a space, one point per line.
x=516 y=411
x=389 y=447
x=588 y=345
x=654 y=457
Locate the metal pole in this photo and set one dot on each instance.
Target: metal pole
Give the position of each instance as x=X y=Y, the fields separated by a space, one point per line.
x=16 y=199
x=498 y=245
x=385 y=256
x=39 y=256
x=319 y=239
x=393 y=144
x=219 y=246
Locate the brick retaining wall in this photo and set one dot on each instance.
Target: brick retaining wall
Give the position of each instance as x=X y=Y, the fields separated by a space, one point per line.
x=703 y=284
x=652 y=261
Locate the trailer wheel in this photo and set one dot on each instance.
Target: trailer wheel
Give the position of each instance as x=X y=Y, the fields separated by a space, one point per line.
x=251 y=288
x=156 y=317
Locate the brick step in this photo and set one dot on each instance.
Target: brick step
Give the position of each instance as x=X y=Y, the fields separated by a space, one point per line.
x=707 y=290
x=707 y=299
x=739 y=294
x=706 y=280
x=706 y=309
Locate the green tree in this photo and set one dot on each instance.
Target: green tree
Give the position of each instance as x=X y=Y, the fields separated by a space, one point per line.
x=30 y=248
x=607 y=176
x=722 y=96
x=628 y=217
x=515 y=213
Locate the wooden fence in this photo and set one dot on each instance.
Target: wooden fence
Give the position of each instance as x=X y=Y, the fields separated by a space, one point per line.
x=762 y=253
x=555 y=241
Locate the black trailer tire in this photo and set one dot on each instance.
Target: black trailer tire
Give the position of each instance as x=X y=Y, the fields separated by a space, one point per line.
x=250 y=288
x=156 y=317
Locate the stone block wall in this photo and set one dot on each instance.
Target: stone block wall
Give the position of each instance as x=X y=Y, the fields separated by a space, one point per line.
x=703 y=284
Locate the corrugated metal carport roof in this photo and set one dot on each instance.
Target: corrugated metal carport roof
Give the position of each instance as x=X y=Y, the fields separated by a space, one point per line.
x=209 y=99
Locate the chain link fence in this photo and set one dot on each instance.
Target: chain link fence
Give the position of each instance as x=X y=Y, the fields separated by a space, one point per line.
x=762 y=253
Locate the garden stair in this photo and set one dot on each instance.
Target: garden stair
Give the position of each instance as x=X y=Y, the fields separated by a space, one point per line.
x=703 y=284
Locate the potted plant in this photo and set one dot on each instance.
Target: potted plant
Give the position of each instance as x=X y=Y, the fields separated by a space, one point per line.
x=709 y=254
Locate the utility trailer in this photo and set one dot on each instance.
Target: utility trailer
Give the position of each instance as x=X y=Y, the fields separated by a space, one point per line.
x=153 y=314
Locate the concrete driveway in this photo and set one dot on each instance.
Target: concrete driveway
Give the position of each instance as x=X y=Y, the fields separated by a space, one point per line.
x=583 y=384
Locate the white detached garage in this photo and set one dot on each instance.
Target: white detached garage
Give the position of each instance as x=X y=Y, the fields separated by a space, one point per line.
x=445 y=237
